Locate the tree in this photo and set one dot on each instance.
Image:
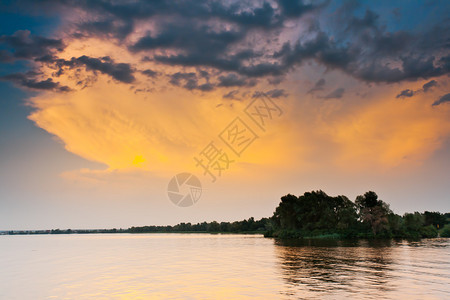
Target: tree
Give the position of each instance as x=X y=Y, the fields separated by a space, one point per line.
x=445 y=231
x=346 y=213
x=373 y=212
x=285 y=216
x=436 y=219
x=413 y=224
x=395 y=225
x=314 y=213
x=213 y=227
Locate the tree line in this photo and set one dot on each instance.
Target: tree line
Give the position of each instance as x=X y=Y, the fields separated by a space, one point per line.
x=246 y=226
x=316 y=214
x=311 y=215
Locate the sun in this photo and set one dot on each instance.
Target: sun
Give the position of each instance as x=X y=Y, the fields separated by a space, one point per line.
x=138 y=160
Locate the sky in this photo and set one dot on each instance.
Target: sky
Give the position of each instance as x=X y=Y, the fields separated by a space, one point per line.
x=103 y=103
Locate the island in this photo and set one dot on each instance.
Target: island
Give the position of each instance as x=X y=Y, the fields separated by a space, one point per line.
x=311 y=215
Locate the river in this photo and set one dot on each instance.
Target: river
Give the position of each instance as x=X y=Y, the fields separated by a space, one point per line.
x=222 y=266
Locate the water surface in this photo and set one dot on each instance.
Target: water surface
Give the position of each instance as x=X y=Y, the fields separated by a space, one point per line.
x=204 y=266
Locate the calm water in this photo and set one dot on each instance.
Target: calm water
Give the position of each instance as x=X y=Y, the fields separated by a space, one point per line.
x=202 y=266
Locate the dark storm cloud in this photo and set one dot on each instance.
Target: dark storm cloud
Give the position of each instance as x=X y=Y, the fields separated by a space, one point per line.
x=294 y=8
x=425 y=88
x=119 y=71
x=443 y=99
x=194 y=30
x=188 y=37
x=27 y=81
x=405 y=93
x=363 y=48
x=107 y=28
x=232 y=80
x=23 y=45
x=190 y=81
x=150 y=73
x=260 y=16
x=429 y=85
x=178 y=77
x=122 y=72
x=362 y=57
x=205 y=87
x=240 y=42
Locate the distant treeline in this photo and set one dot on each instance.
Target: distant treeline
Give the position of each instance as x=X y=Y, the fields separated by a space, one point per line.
x=312 y=215
x=63 y=231
x=245 y=226
x=315 y=214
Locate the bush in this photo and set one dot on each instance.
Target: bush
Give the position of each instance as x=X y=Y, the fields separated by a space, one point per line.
x=445 y=232
x=429 y=231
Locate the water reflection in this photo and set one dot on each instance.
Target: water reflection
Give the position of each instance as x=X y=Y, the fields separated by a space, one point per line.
x=326 y=267
x=203 y=266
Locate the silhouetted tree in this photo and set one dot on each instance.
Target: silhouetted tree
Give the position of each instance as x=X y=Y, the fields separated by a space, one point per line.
x=436 y=219
x=373 y=212
x=314 y=213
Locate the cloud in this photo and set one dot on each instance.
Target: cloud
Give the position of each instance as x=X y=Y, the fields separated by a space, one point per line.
x=336 y=94
x=156 y=132
x=119 y=71
x=108 y=27
x=429 y=85
x=379 y=58
x=443 y=99
x=275 y=93
x=294 y=8
x=150 y=73
x=5 y=56
x=28 y=81
x=190 y=81
x=231 y=80
x=405 y=93
x=425 y=88
x=23 y=45
x=384 y=134
x=122 y=72
x=238 y=43
x=112 y=53
x=231 y=95
x=318 y=86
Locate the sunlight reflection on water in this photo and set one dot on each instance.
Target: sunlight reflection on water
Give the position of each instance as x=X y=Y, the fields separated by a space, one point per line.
x=193 y=266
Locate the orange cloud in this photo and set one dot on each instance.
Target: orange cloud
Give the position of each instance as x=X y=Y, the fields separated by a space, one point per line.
x=157 y=127
x=388 y=133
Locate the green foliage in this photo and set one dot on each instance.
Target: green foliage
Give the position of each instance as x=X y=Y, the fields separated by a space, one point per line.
x=429 y=231
x=313 y=214
x=413 y=222
x=396 y=225
x=436 y=219
x=373 y=212
x=249 y=225
x=317 y=215
x=445 y=232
